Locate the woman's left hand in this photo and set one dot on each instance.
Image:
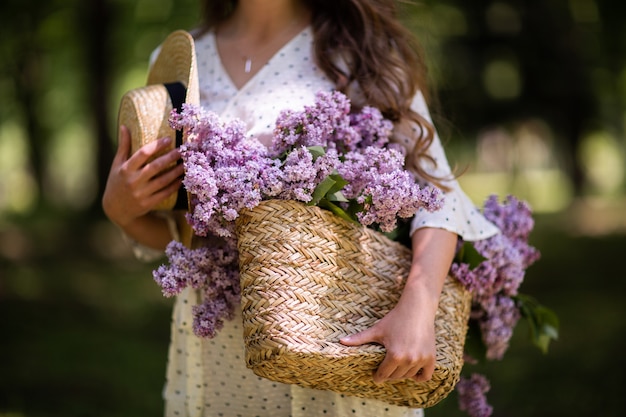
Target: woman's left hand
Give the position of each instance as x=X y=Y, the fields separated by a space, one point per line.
x=408 y=334
x=408 y=330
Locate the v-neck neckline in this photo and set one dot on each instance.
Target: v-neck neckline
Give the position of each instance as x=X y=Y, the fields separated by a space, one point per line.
x=263 y=69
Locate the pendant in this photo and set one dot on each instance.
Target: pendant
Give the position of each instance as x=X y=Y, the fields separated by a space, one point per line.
x=248 y=65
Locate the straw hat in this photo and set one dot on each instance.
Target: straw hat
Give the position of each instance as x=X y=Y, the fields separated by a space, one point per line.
x=172 y=81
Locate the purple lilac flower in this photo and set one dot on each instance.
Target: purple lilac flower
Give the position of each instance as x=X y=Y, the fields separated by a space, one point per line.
x=316 y=125
x=372 y=128
x=378 y=181
x=208 y=317
x=472 y=398
x=329 y=123
x=499 y=319
x=501 y=272
x=302 y=173
x=181 y=272
x=497 y=279
x=213 y=270
x=224 y=172
x=513 y=217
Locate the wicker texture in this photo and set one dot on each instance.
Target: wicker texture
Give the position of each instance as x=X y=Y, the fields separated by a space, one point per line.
x=309 y=278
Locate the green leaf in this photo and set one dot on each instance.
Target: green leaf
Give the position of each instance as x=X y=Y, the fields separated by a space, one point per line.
x=321 y=190
x=393 y=235
x=543 y=323
x=335 y=209
x=316 y=151
x=469 y=255
x=337 y=197
x=340 y=182
x=330 y=189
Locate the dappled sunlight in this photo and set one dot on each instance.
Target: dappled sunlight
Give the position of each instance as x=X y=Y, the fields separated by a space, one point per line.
x=522 y=160
x=519 y=161
x=602 y=158
x=547 y=191
x=502 y=79
x=17 y=188
x=71 y=163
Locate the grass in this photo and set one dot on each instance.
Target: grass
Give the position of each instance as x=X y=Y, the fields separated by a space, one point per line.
x=85 y=329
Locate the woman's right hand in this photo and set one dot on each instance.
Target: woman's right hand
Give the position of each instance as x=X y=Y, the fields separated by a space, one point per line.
x=137 y=182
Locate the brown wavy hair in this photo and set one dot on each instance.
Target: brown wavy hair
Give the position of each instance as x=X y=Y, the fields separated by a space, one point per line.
x=380 y=55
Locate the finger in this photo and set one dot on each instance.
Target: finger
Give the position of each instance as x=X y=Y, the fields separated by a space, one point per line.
x=169 y=178
x=161 y=163
x=386 y=368
x=147 y=152
x=123 y=146
x=361 y=338
x=396 y=368
x=163 y=193
x=425 y=373
x=416 y=370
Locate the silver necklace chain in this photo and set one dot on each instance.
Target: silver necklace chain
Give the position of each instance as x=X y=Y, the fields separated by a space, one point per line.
x=247 y=67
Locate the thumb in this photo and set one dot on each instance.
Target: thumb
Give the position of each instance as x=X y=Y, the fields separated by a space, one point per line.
x=361 y=338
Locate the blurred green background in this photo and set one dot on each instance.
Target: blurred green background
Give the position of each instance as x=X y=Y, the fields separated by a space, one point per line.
x=532 y=102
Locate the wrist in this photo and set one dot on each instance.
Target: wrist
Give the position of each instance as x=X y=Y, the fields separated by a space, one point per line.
x=423 y=292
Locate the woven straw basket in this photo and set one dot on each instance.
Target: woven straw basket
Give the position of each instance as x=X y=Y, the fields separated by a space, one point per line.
x=309 y=278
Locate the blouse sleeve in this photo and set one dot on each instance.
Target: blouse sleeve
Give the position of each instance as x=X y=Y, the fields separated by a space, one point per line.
x=146 y=254
x=458 y=214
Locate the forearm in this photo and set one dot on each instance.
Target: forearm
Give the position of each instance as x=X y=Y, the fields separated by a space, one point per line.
x=149 y=230
x=433 y=251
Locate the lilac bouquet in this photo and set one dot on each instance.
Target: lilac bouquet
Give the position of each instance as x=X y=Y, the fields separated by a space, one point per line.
x=341 y=160
x=326 y=155
x=492 y=270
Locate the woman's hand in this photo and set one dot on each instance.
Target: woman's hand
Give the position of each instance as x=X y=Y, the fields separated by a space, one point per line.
x=137 y=183
x=408 y=334
x=408 y=330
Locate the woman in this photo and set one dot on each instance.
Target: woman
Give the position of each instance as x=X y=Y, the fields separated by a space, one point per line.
x=255 y=58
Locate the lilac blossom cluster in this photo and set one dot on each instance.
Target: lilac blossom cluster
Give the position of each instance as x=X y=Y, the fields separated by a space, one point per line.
x=494 y=283
x=358 y=148
x=302 y=172
x=377 y=181
x=497 y=278
x=331 y=124
x=213 y=271
x=225 y=172
x=471 y=392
